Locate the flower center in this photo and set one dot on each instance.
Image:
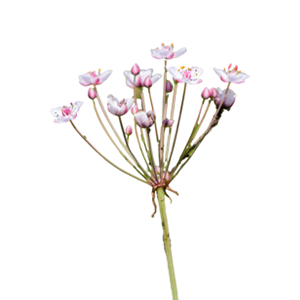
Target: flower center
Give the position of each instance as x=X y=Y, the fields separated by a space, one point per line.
x=233 y=70
x=66 y=111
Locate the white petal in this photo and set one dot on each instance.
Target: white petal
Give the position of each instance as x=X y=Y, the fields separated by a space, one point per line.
x=196 y=70
x=221 y=73
x=179 y=52
x=175 y=73
x=156 y=54
x=85 y=79
x=129 y=79
x=56 y=111
x=64 y=119
x=155 y=78
x=145 y=73
x=104 y=76
x=129 y=103
x=141 y=119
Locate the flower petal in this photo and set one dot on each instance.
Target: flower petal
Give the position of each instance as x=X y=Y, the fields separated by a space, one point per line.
x=129 y=79
x=155 y=78
x=179 y=52
x=85 y=79
x=145 y=73
x=104 y=76
x=129 y=103
x=175 y=73
x=221 y=74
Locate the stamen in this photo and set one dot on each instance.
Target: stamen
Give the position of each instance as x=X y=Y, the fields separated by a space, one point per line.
x=99 y=70
x=229 y=66
x=182 y=67
x=196 y=74
x=172 y=45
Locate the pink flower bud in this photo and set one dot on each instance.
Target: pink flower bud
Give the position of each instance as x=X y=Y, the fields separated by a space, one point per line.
x=135 y=70
x=165 y=122
x=157 y=169
x=229 y=66
x=138 y=81
x=134 y=110
x=128 y=130
x=167 y=176
x=169 y=87
x=213 y=93
x=147 y=82
x=92 y=94
x=205 y=93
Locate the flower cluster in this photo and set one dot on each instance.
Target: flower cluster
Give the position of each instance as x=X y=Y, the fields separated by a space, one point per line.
x=138 y=80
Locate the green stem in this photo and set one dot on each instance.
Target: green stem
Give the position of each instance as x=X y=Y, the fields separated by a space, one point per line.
x=163 y=205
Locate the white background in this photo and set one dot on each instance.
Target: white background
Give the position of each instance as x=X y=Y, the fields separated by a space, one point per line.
x=27 y=27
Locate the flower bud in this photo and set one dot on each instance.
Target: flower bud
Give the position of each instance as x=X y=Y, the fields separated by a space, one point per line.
x=205 y=93
x=128 y=130
x=92 y=92
x=157 y=169
x=213 y=93
x=169 y=87
x=167 y=176
x=135 y=70
x=165 y=122
x=134 y=110
x=138 y=81
x=147 y=82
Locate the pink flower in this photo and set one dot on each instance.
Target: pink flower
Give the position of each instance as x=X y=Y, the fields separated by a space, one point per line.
x=93 y=78
x=144 y=120
x=228 y=101
x=191 y=77
x=135 y=70
x=66 y=114
x=167 y=52
x=117 y=108
x=232 y=76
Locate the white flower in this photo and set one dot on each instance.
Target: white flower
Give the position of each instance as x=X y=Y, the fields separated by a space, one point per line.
x=190 y=75
x=233 y=75
x=143 y=119
x=118 y=108
x=66 y=113
x=140 y=78
x=166 y=52
x=229 y=98
x=91 y=78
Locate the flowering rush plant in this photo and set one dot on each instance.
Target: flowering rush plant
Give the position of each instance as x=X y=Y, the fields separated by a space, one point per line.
x=158 y=140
